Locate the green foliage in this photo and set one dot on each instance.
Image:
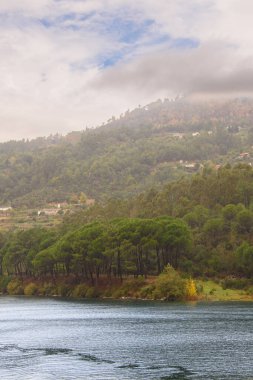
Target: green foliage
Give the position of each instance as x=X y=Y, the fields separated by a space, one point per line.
x=146 y=292
x=48 y=289
x=63 y=290
x=92 y=292
x=31 y=289
x=235 y=283
x=201 y=226
x=127 y=156
x=80 y=291
x=130 y=288
x=244 y=256
x=4 y=281
x=15 y=287
x=169 y=285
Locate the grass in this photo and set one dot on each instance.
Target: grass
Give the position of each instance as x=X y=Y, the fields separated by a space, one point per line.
x=213 y=291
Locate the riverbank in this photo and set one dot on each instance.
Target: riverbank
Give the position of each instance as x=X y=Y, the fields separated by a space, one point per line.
x=152 y=288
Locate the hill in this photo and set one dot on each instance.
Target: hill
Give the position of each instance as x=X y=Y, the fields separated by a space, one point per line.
x=146 y=147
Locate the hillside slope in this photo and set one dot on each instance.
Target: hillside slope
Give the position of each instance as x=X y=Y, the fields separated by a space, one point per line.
x=144 y=148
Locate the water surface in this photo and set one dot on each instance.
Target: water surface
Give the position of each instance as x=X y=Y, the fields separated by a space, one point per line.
x=44 y=339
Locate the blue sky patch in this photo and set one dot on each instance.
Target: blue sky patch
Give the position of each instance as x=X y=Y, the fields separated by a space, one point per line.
x=76 y=21
x=128 y=34
x=126 y=30
x=112 y=59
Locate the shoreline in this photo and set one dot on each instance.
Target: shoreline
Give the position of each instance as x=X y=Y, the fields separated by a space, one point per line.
x=199 y=299
x=131 y=299
x=132 y=289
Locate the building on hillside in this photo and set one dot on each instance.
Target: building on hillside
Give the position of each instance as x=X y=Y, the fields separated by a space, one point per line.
x=48 y=212
x=5 y=208
x=58 y=205
x=5 y=211
x=191 y=166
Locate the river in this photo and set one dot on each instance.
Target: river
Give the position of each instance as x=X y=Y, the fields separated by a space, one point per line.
x=44 y=339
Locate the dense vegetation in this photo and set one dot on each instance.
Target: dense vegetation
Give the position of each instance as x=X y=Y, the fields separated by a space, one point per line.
x=217 y=206
x=121 y=247
x=143 y=148
x=200 y=225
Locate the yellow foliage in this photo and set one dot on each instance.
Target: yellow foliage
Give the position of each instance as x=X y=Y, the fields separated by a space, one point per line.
x=191 y=290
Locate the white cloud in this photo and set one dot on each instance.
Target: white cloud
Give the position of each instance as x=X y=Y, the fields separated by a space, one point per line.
x=51 y=75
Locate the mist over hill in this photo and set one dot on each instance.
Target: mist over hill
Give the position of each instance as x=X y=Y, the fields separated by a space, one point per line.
x=141 y=149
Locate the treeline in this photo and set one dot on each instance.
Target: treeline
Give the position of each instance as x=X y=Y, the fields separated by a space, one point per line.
x=116 y=249
x=125 y=157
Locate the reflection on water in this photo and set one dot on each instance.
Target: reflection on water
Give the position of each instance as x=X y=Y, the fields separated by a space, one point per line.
x=48 y=339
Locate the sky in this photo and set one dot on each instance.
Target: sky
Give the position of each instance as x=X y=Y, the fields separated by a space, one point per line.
x=69 y=64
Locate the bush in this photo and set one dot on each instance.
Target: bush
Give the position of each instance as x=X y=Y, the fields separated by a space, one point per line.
x=235 y=283
x=250 y=291
x=169 y=285
x=199 y=288
x=48 y=289
x=131 y=288
x=108 y=292
x=31 y=289
x=92 y=293
x=118 y=293
x=15 y=287
x=63 y=290
x=80 y=291
x=4 y=281
x=147 y=291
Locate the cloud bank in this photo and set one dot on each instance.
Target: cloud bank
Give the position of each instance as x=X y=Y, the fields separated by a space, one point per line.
x=68 y=64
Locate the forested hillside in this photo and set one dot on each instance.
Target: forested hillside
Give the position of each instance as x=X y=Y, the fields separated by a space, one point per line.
x=201 y=226
x=142 y=149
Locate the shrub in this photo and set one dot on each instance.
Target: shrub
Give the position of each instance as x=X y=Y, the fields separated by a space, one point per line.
x=48 y=289
x=31 y=289
x=92 y=293
x=15 y=287
x=199 y=288
x=169 y=285
x=118 y=293
x=250 y=291
x=108 y=292
x=63 y=290
x=130 y=288
x=80 y=291
x=4 y=281
x=147 y=291
x=235 y=283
